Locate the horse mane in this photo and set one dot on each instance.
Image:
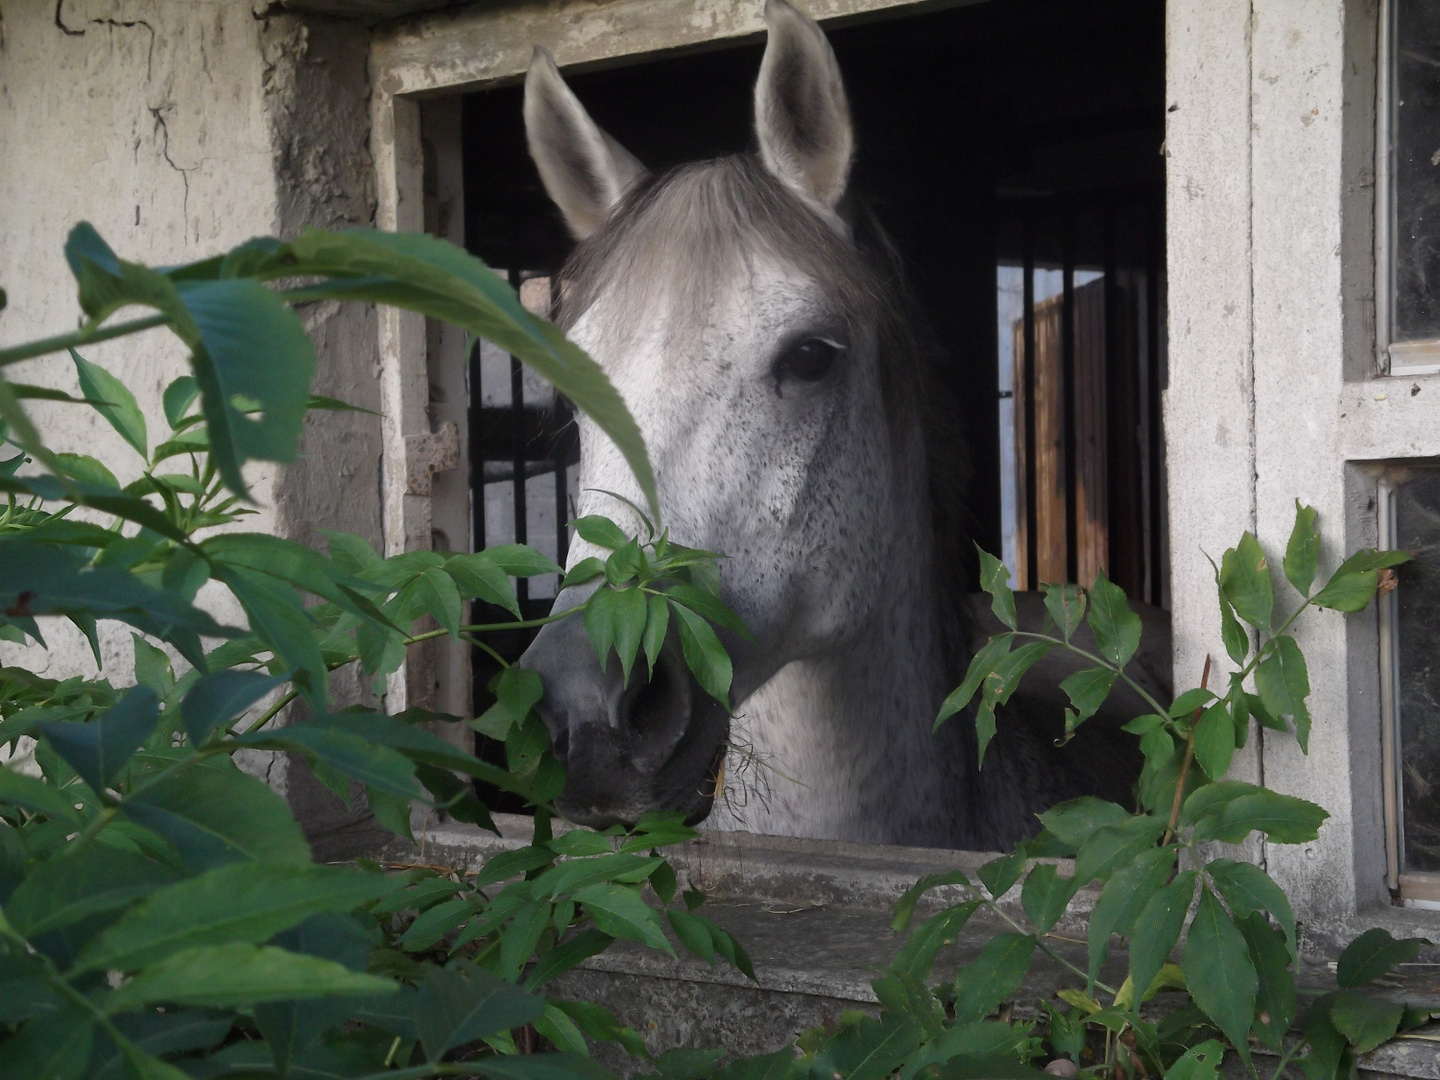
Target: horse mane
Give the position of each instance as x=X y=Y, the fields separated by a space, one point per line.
x=686 y=226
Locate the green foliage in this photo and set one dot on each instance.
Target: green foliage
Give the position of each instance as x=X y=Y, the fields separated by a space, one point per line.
x=161 y=914
x=1239 y=949
x=160 y=911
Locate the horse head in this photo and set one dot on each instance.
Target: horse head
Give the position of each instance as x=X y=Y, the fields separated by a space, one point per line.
x=730 y=306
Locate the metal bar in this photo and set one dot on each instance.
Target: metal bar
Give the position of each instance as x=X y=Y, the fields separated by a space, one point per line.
x=517 y=404
x=1154 y=411
x=1032 y=516
x=1067 y=384
x=1385 y=603
x=562 y=491
x=477 y=457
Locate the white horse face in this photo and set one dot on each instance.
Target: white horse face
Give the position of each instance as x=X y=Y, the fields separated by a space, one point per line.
x=722 y=303
x=763 y=418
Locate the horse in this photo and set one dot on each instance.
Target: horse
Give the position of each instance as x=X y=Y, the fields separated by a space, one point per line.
x=756 y=325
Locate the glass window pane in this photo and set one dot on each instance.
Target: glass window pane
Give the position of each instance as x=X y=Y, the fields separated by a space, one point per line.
x=1415 y=171
x=1417 y=605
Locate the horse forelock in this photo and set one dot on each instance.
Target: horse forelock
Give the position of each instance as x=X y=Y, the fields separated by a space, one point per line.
x=676 y=239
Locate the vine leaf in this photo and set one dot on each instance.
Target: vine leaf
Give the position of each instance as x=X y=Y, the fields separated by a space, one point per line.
x=1218 y=971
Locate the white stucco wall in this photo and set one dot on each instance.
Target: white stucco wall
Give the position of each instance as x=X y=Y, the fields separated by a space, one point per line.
x=180 y=128
x=106 y=116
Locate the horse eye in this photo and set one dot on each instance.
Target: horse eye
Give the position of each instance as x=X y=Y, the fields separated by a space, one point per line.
x=809 y=360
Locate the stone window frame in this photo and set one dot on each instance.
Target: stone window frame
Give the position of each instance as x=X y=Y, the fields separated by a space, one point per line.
x=1238 y=241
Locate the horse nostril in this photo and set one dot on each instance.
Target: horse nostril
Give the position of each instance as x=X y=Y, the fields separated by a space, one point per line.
x=652 y=704
x=560 y=745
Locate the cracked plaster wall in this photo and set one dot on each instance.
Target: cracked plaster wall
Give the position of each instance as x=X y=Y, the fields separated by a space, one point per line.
x=179 y=128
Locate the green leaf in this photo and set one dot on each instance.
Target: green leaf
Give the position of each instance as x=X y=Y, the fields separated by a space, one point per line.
x=1283 y=818
x=629 y=615
x=279 y=620
x=1088 y=690
x=462 y=1004
x=152 y=667
x=993 y=579
x=1374 y=954
x=56 y=1046
x=601 y=531
x=1247 y=888
x=219 y=697
x=711 y=607
x=1283 y=683
x=693 y=934
x=179 y=396
x=521 y=936
x=657 y=623
x=120 y=409
x=1075 y=820
x=1157 y=929
x=1245 y=581
x=239 y=975
x=1302 y=550
x=565 y=956
x=1215 y=741
x=1365 y=1021
x=599 y=621
x=1218 y=971
x=1235 y=637
x=240 y=902
x=586 y=569
x=1275 y=991
x=480 y=576
x=1115 y=846
x=1327 y=1046
x=704 y=655
x=437 y=278
x=379 y=768
x=999 y=875
x=98 y=879
x=981 y=665
x=435 y=593
x=1124 y=897
x=621 y=913
x=1188 y=702
x=1117 y=628
x=520 y=560
x=519 y=690
x=37 y=796
x=87 y=470
x=218 y=815
x=253 y=363
x=869 y=1050
x=905 y=907
x=1198 y=1063
x=1045 y=896
x=100 y=749
x=992 y=976
x=1066 y=605
x=1353 y=584
x=918 y=953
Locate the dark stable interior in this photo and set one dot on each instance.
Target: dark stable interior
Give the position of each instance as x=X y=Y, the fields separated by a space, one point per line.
x=986 y=133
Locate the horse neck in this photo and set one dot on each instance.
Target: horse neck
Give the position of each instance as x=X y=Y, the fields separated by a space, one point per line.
x=847 y=735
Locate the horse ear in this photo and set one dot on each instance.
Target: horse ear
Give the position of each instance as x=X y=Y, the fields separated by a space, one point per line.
x=585 y=171
x=802 y=118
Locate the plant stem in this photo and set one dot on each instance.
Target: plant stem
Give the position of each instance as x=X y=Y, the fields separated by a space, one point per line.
x=1185 y=765
x=1101 y=661
x=1039 y=942
x=86 y=335
x=271 y=712
x=1288 y=1056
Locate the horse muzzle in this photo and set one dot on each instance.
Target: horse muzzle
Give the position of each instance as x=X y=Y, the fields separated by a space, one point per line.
x=627 y=748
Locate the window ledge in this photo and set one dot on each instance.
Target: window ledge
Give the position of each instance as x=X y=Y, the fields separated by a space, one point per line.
x=814 y=916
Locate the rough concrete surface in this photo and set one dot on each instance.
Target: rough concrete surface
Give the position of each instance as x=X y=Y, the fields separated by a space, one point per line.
x=180 y=130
